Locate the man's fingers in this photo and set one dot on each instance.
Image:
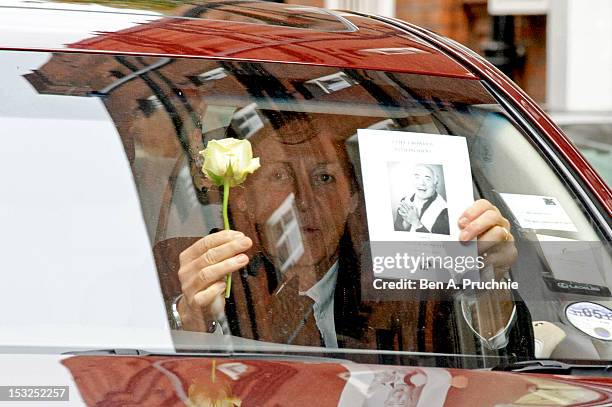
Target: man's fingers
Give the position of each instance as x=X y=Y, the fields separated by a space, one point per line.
x=206 y=243
x=209 y=275
x=494 y=236
x=223 y=252
x=487 y=220
x=476 y=210
x=205 y=298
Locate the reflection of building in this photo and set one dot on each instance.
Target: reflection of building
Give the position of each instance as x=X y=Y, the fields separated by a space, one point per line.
x=468 y=22
x=555 y=48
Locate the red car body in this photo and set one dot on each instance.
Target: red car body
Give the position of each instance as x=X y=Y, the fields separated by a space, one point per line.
x=356 y=41
x=175 y=381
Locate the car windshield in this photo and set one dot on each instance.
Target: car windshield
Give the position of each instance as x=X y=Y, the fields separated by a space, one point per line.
x=106 y=203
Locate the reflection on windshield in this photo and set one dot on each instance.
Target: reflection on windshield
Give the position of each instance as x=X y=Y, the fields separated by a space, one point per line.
x=303 y=210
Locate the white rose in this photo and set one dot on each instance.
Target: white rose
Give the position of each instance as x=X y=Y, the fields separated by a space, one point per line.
x=229 y=161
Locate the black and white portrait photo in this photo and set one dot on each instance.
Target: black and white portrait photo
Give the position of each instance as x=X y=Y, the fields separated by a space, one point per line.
x=413 y=184
x=418 y=198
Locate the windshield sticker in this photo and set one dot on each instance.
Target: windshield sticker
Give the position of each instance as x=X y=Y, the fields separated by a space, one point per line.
x=539 y=212
x=548 y=238
x=593 y=319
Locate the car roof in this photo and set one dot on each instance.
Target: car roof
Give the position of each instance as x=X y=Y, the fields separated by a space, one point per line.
x=226 y=29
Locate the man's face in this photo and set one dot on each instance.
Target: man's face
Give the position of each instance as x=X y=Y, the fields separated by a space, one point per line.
x=316 y=172
x=424 y=182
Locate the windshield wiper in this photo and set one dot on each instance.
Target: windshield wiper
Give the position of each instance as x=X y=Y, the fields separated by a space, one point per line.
x=555 y=367
x=115 y=351
x=209 y=354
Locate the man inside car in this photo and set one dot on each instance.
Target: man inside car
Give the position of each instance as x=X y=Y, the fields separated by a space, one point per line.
x=317 y=302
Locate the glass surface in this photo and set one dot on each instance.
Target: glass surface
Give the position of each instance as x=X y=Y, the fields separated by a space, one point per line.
x=303 y=209
x=594 y=140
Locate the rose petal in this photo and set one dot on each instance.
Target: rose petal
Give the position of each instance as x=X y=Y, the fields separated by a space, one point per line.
x=229 y=160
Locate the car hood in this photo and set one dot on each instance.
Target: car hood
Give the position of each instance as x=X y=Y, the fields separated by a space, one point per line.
x=224 y=381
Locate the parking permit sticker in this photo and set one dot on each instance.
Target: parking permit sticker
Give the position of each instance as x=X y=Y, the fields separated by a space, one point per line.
x=593 y=319
x=539 y=212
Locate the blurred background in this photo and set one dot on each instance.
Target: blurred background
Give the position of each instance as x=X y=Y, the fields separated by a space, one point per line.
x=558 y=51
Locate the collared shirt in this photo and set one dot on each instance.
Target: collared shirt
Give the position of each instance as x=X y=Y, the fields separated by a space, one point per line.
x=322 y=293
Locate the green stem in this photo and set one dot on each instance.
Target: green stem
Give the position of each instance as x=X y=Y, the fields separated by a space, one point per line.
x=226 y=191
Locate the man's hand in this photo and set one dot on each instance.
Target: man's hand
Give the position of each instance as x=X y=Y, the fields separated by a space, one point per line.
x=203 y=267
x=484 y=221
